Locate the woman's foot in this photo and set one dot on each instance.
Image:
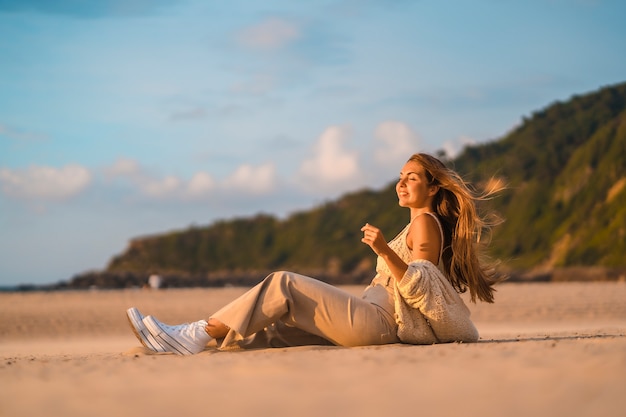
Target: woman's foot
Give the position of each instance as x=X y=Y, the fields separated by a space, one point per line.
x=216 y=329
x=135 y=319
x=184 y=339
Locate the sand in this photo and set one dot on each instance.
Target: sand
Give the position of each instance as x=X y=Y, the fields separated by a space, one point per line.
x=552 y=349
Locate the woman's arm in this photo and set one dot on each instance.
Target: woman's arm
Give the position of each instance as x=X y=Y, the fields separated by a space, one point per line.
x=373 y=237
x=424 y=239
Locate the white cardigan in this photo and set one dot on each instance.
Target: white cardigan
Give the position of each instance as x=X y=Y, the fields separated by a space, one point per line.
x=429 y=310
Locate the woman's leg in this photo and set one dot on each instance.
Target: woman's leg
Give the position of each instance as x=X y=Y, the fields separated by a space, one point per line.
x=280 y=335
x=307 y=304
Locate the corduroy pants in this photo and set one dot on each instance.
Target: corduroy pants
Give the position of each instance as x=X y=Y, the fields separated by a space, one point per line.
x=288 y=309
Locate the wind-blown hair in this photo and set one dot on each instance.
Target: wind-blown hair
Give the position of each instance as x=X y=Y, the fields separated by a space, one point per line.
x=455 y=204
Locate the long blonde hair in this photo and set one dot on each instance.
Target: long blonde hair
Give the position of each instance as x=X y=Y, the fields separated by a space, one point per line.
x=455 y=204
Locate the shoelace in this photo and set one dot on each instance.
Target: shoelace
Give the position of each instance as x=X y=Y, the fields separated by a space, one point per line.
x=178 y=327
x=186 y=329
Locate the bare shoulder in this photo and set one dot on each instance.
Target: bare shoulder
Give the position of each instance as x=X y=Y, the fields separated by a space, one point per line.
x=424 y=239
x=423 y=228
x=425 y=223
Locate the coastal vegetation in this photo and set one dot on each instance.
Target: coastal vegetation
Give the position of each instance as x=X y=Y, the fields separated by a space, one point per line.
x=564 y=210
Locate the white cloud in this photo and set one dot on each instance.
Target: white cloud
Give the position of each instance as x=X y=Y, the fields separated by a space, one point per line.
x=396 y=142
x=453 y=148
x=123 y=167
x=257 y=180
x=246 y=178
x=331 y=164
x=146 y=183
x=273 y=33
x=45 y=183
x=200 y=184
x=160 y=187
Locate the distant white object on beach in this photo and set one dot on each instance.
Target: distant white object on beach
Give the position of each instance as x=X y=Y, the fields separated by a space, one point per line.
x=154 y=282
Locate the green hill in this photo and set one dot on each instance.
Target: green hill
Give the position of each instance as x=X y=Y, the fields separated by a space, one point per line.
x=565 y=207
x=566 y=166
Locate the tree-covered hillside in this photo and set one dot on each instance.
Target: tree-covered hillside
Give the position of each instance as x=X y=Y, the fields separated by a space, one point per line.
x=566 y=166
x=565 y=206
x=324 y=241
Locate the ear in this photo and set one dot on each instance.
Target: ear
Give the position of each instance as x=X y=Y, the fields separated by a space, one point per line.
x=434 y=189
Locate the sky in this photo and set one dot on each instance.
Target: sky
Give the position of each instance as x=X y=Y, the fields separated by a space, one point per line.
x=126 y=118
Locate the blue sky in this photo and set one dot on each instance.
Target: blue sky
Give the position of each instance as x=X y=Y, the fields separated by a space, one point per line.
x=121 y=118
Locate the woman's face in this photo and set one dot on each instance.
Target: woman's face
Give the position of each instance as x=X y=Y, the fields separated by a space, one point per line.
x=413 y=189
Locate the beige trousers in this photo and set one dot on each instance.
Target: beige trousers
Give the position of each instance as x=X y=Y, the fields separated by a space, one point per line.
x=288 y=309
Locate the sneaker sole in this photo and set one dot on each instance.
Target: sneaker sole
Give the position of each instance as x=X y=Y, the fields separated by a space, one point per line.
x=135 y=319
x=171 y=344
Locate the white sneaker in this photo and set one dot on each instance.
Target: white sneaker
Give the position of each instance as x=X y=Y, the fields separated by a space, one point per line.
x=184 y=339
x=135 y=319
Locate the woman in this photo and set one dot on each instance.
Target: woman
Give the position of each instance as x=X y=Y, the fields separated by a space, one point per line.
x=412 y=299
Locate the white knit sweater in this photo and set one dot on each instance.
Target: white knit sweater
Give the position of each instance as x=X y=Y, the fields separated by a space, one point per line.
x=428 y=308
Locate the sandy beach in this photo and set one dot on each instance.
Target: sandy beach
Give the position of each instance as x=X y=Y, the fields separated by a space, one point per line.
x=546 y=349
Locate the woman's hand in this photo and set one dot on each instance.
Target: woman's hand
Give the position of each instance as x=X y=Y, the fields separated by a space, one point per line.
x=373 y=237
